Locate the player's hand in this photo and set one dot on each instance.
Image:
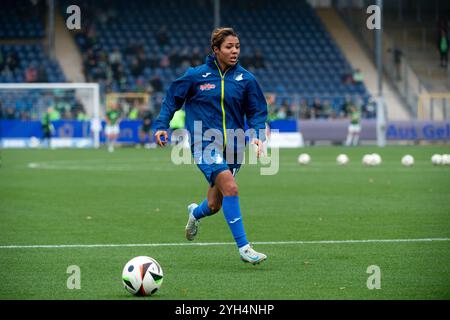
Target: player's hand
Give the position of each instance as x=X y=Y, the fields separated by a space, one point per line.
x=259 y=147
x=158 y=135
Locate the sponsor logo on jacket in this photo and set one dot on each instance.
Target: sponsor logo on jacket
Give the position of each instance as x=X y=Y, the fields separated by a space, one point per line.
x=207 y=86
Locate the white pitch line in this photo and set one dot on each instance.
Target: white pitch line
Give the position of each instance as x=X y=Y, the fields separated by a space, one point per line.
x=62 y=246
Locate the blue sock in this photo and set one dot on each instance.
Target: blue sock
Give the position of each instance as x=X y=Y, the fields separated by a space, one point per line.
x=202 y=210
x=232 y=212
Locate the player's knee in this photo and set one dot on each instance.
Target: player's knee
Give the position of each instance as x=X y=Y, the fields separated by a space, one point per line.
x=230 y=189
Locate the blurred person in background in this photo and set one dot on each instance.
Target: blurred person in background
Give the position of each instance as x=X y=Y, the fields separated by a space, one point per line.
x=47 y=127
x=357 y=76
x=145 y=131
x=282 y=111
x=31 y=74
x=397 y=55
x=271 y=109
x=354 y=128
x=112 y=128
x=305 y=112
x=156 y=83
x=443 y=48
x=10 y=114
x=328 y=111
x=162 y=36
x=12 y=61
x=317 y=109
x=178 y=122
x=345 y=107
x=134 y=112
x=115 y=59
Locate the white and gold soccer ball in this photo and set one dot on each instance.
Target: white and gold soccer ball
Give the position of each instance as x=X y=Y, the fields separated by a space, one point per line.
x=142 y=276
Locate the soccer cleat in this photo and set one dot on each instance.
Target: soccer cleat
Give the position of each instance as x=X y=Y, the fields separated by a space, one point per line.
x=192 y=224
x=249 y=255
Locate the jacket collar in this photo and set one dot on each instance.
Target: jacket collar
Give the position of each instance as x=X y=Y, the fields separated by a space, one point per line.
x=211 y=62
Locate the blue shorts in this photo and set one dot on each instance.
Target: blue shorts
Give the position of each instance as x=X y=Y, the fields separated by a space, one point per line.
x=212 y=170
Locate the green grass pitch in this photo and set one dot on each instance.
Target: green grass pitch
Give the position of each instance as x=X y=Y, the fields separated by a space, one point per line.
x=137 y=196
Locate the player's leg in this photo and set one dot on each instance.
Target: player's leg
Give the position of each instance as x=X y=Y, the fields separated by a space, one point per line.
x=348 y=141
x=356 y=132
x=213 y=202
x=142 y=136
x=208 y=207
x=46 y=138
x=108 y=142
x=111 y=139
x=355 y=139
x=230 y=205
x=114 y=135
x=108 y=134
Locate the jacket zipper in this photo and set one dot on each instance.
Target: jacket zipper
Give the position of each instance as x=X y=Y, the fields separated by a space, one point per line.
x=222 y=98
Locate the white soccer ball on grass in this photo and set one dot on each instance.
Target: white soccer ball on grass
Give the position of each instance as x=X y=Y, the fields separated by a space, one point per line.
x=408 y=160
x=436 y=159
x=342 y=159
x=142 y=276
x=367 y=160
x=376 y=159
x=446 y=159
x=304 y=159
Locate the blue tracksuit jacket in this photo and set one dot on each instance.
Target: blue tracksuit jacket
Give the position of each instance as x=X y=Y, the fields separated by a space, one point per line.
x=220 y=100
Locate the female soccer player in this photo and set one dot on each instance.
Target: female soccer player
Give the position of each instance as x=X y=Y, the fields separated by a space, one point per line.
x=222 y=95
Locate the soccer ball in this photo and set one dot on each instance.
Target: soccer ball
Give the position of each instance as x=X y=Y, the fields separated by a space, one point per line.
x=142 y=276
x=367 y=160
x=436 y=159
x=376 y=159
x=342 y=159
x=304 y=158
x=407 y=160
x=446 y=159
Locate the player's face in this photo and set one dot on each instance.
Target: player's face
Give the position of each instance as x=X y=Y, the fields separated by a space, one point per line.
x=228 y=54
